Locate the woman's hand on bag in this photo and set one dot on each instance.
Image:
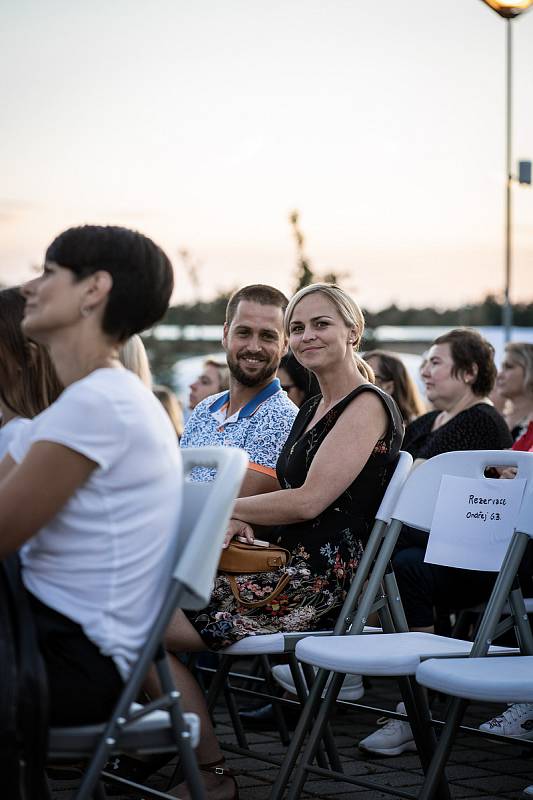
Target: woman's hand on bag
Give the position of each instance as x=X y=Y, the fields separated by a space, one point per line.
x=236 y=527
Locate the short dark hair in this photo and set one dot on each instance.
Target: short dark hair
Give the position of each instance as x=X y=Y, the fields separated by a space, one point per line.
x=469 y=348
x=142 y=274
x=256 y=293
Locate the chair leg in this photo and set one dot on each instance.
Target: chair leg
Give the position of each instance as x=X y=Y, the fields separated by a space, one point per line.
x=423 y=731
x=218 y=682
x=316 y=734
x=328 y=738
x=99 y=792
x=271 y=688
x=306 y=718
x=435 y=772
x=233 y=710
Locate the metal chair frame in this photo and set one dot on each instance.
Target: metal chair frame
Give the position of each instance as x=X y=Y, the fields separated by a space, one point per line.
x=374 y=562
x=506 y=587
x=205 y=513
x=393 y=620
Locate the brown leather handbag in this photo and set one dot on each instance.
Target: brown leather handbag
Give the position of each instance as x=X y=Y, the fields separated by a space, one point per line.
x=246 y=559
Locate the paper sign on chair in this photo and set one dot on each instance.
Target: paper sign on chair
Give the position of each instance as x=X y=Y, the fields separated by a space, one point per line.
x=473 y=522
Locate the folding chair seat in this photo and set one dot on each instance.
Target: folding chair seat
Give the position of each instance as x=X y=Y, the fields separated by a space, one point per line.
x=149 y=733
x=160 y=726
x=491 y=680
x=394 y=654
x=385 y=655
x=283 y=644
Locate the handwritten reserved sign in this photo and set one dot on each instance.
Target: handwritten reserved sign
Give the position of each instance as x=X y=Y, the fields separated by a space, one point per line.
x=473 y=522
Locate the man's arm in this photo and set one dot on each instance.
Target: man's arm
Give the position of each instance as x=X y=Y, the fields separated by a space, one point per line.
x=256 y=482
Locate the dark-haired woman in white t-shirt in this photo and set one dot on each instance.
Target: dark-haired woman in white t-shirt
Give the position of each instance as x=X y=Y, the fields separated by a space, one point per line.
x=92 y=487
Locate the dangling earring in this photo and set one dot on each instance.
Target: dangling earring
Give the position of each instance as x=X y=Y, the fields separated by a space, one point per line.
x=85 y=311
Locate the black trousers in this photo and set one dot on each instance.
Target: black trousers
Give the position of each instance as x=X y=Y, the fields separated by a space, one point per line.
x=83 y=684
x=424 y=586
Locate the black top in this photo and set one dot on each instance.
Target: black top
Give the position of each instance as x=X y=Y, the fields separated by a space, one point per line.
x=352 y=514
x=479 y=427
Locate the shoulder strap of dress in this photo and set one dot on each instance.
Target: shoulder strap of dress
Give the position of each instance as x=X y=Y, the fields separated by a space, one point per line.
x=395 y=418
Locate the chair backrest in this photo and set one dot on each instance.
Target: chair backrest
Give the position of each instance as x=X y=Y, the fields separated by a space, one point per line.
x=392 y=492
x=525 y=518
x=416 y=503
x=205 y=513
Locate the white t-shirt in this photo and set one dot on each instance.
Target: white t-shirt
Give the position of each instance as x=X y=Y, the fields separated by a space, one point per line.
x=8 y=431
x=104 y=557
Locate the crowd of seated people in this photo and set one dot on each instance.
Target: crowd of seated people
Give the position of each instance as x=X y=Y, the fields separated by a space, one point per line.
x=322 y=429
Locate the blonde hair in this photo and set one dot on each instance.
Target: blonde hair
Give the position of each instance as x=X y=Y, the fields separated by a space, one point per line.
x=133 y=356
x=172 y=406
x=522 y=353
x=349 y=311
x=222 y=371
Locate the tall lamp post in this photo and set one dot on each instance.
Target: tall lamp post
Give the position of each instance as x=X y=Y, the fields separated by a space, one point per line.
x=508 y=9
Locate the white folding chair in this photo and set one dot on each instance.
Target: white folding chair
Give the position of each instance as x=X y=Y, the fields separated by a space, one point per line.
x=394 y=654
x=478 y=678
x=161 y=726
x=279 y=644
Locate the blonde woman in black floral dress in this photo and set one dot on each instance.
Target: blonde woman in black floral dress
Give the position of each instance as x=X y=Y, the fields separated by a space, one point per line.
x=333 y=471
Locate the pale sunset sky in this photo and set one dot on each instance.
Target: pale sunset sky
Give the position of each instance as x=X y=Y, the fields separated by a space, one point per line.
x=203 y=123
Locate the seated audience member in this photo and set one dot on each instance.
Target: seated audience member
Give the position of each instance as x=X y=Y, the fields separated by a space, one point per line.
x=333 y=471
x=172 y=406
x=254 y=413
x=525 y=442
x=28 y=383
x=213 y=379
x=515 y=383
x=459 y=374
x=98 y=471
x=299 y=383
x=133 y=356
x=392 y=376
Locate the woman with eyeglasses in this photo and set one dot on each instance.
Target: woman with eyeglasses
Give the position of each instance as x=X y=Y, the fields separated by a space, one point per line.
x=299 y=383
x=392 y=376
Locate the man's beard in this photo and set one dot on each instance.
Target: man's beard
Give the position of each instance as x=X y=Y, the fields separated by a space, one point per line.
x=267 y=371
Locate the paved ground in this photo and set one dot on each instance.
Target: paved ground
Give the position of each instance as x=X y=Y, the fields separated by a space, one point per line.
x=479 y=767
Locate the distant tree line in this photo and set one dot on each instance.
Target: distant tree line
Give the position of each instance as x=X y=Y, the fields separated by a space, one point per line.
x=486 y=312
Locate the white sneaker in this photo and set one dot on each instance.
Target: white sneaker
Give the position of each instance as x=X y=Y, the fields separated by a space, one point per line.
x=517 y=721
x=528 y=791
x=352 y=687
x=394 y=738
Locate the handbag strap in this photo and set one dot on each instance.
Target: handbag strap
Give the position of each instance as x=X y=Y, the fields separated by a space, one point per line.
x=283 y=581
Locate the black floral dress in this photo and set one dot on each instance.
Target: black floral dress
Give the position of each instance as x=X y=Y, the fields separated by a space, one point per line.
x=325 y=551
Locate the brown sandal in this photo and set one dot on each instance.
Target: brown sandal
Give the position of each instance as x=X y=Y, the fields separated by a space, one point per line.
x=219 y=768
x=214 y=768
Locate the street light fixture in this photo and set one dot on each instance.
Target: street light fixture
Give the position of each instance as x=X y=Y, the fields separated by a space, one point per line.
x=508 y=9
